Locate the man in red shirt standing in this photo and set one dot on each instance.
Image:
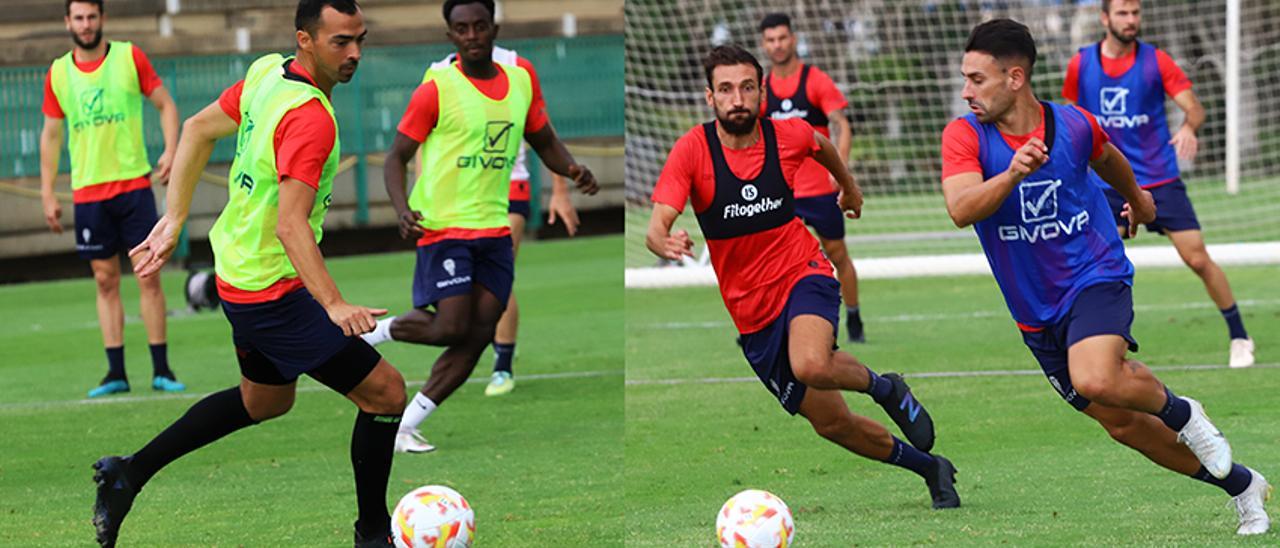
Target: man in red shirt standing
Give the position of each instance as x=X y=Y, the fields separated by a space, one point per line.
x=738 y=172
x=794 y=89
x=97 y=88
x=1123 y=81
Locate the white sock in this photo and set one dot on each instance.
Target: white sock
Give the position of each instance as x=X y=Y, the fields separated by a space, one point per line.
x=417 y=411
x=381 y=333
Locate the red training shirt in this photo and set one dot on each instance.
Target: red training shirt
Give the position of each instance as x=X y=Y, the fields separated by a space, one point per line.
x=148 y=81
x=812 y=179
x=756 y=272
x=1175 y=81
x=960 y=150
x=303 y=141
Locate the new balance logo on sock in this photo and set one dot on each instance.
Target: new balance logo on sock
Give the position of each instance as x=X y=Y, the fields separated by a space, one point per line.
x=911 y=406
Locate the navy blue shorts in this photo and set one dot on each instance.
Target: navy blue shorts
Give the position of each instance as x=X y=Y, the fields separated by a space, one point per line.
x=104 y=229
x=766 y=349
x=519 y=207
x=277 y=341
x=1173 y=208
x=823 y=214
x=1103 y=309
x=449 y=267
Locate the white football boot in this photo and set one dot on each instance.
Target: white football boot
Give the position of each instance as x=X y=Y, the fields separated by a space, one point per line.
x=412 y=442
x=1250 y=507
x=1241 y=353
x=1204 y=439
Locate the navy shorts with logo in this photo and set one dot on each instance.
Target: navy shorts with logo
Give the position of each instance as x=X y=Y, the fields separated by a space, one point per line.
x=104 y=229
x=280 y=340
x=766 y=349
x=1173 y=208
x=1103 y=309
x=450 y=267
x=519 y=207
x=823 y=214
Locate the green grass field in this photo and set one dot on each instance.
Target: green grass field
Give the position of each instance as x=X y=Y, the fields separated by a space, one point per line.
x=1032 y=471
x=541 y=466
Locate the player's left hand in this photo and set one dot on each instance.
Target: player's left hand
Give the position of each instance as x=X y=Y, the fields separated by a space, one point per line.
x=851 y=202
x=560 y=206
x=163 y=167
x=1185 y=143
x=150 y=255
x=583 y=179
x=1139 y=213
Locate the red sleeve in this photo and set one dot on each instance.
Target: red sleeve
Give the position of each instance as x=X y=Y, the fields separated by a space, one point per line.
x=303 y=142
x=537 y=117
x=824 y=93
x=676 y=181
x=1175 y=81
x=50 y=107
x=1099 y=137
x=795 y=137
x=960 y=150
x=148 y=80
x=230 y=100
x=1071 y=86
x=423 y=112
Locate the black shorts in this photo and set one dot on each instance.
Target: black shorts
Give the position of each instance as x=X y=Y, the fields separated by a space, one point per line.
x=766 y=349
x=1103 y=309
x=104 y=229
x=280 y=340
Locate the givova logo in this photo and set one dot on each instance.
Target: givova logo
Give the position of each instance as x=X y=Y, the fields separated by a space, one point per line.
x=497 y=136
x=497 y=139
x=1114 y=103
x=93 y=106
x=91 y=102
x=1038 y=202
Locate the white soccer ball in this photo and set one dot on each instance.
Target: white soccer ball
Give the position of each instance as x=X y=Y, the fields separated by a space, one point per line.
x=433 y=516
x=755 y=519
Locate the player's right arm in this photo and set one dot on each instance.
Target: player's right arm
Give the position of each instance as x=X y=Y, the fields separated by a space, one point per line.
x=294 y=232
x=661 y=241
x=970 y=198
x=50 y=154
x=199 y=135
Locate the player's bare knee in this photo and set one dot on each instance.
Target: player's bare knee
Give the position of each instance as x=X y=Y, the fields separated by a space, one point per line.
x=1198 y=262
x=1094 y=387
x=812 y=369
x=108 y=282
x=382 y=392
x=265 y=409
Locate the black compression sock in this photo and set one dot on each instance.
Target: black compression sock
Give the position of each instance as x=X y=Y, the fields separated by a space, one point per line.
x=372 y=442
x=207 y=421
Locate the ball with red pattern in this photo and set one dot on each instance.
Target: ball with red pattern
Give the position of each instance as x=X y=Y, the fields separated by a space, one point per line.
x=433 y=516
x=755 y=519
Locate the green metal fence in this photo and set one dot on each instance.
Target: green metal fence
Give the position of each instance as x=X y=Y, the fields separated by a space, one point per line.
x=581 y=79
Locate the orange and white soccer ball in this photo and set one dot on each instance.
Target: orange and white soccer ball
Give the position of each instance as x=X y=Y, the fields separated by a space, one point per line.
x=433 y=516
x=755 y=519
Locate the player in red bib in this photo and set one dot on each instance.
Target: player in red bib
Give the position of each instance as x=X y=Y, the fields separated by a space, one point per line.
x=739 y=173
x=1124 y=82
x=794 y=89
x=114 y=206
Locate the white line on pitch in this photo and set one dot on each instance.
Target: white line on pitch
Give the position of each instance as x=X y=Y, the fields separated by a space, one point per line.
x=313 y=387
x=977 y=314
x=931 y=374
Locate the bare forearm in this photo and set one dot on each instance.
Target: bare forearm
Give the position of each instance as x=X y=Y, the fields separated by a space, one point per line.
x=551 y=150
x=50 y=155
x=300 y=245
x=188 y=163
x=844 y=138
x=169 y=125
x=1117 y=172
x=393 y=176
x=1195 y=117
x=978 y=202
x=828 y=156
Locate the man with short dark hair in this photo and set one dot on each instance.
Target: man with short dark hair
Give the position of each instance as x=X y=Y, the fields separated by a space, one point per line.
x=468 y=118
x=738 y=172
x=286 y=313
x=1123 y=81
x=795 y=89
x=1017 y=169
x=98 y=88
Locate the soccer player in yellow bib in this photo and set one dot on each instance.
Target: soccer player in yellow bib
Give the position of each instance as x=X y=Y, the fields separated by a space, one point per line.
x=468 y=118
x=286 y=313
x=559 y=207
x=97 y=88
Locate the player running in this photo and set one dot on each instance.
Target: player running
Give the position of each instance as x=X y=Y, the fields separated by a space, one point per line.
x=794 y=89
x=558 y=207
x=287 y=316
x=739 y=172
x=98 y=88
x=1123 y=81
x=1017 y=169
x=468 y=117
